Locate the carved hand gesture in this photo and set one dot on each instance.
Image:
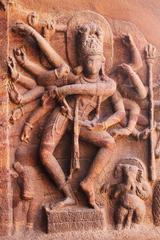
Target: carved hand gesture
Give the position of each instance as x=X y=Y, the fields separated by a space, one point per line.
x=46 y=98
x=120 y=132
x=26 y=134
x=16 y=114
x=20 y=55
x=62 y=71
x=144 y=134
x=105 y=188
x=85 y=123
x=91 y=125
x=33 y=19
x=150 y=53
x=12 y=69
x=127 y=40
x=125 y=68
x=49 y=29
x=97 y=126
x=14 y=95
x=13 y=173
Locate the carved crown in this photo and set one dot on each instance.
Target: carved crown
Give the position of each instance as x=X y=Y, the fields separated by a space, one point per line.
x=90 y=39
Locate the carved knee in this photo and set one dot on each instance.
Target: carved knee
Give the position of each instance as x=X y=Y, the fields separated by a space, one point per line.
x=120 y=215
x=46 y=149
x=45 y=155
x=109 y=143
x=139 y=214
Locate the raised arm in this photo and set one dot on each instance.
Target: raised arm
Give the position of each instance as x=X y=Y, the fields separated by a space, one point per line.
x=34 y=91
x=59 y=76
x=31 y=67
x=53 y=57
x=135 y=57
x=17 y=77
x=131 y=68
x=138 y=86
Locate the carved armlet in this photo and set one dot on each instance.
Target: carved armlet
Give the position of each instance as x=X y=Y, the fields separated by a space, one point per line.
x=17 y=78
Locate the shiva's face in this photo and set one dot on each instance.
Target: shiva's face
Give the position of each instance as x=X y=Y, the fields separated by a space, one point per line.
x=93 y=64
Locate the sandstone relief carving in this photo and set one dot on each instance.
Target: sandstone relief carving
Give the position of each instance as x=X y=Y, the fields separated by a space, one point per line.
x=98 y=93
x=26 y=196
x=129 y=193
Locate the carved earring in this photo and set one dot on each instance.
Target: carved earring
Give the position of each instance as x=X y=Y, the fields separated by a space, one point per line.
x=102 y=70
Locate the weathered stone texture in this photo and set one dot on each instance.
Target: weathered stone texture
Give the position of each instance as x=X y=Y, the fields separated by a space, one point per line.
x=74 y=219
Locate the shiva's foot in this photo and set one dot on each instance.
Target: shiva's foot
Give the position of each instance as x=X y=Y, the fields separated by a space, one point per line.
x=88 y=188
x=68 y=201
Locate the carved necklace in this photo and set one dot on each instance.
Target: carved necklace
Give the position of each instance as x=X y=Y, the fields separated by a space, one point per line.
x=93 y=80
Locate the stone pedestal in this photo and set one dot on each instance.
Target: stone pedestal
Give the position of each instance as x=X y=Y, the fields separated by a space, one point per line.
x=74 y=219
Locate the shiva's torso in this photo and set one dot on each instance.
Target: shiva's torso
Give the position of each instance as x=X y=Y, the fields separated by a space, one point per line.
x=86 y=103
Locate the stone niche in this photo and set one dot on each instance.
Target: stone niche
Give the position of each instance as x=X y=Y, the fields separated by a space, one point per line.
x=79 y=119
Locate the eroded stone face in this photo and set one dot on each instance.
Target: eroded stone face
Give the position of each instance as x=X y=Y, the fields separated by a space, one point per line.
x=79 y=120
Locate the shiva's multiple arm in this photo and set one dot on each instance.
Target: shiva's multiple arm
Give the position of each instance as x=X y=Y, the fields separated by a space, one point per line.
x=119 y=113
x=31 y=67
x=138 y=87
x=134 y=117
x=59 y=76
x=116 y=117
x=25 y=81
x=31 y=95
x=134 y=111
x=136 y=90
x=34 y=92
x=34 y=117
x=136 y=60
x=52 y=56
x=131 y=68
x=38 y=113
x=104 y=89
x=56 y=61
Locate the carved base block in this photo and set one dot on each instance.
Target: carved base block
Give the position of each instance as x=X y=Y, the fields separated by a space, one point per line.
x=74 y=219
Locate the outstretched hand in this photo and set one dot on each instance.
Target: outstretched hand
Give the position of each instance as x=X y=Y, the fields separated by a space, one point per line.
x=62 y=71
x=33 y=19
x=127 y=39
x=12 y=69
x=93 y=126
x=120 y=132
x=150 y=53
x=25 y=137
x=144 y=134
x=16 y=114
x=14 y=95
x=49 y=29
x=124 y=68
x=105 y=188
x=20 y=55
